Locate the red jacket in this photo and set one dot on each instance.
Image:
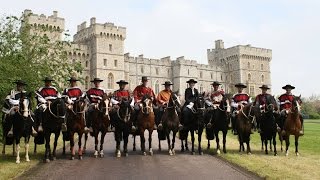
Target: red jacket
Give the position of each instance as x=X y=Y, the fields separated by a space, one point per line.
x=73 y=92
x=286 y=101
x=140 y=91
x=46 y=93
x=118 y=94
x=95 y=94
x=241 y=97
x=261 y=99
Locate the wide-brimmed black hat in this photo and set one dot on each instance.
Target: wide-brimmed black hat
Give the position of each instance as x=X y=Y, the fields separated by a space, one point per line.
x=215 y=83
x=48 y=79
x=122 y=82
x=73 y=79
x=144 y=78
x=20 y=82
x=167 y=83
x=96 y=80
x=288 y=86
x=264 y=87
x=192 y=81
x=240 y=85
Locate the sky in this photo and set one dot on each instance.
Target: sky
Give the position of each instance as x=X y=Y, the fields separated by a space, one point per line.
x=160 y=28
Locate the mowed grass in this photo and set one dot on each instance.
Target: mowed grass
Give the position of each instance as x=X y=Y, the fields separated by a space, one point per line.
x=8 y=167
x=305 y=166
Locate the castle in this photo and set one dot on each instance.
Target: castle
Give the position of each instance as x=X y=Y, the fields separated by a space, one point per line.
x=100 y=49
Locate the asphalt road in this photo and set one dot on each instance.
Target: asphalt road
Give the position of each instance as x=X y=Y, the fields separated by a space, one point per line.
x=136 y=166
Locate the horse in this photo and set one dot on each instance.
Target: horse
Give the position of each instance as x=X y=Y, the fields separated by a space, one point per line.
x=6 y=125
x=100 y=123
x=52 y=121
x=171 y=121
x=245 y=118
x=219 y=121
x=194 y=122
x=121 y=120
x=268 y=124
x=75 y=124
x=146 y=121
x=292 y=124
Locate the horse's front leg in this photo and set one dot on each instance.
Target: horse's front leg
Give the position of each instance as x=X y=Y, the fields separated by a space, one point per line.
x=217 y=141
x=134 y=143
x=173 y=142
x=169 y=143
x=192 y=142
x=103 y=134
x=266 y=145
x=125 y=142
x=26 y=142
x=224 y=141
x=150 y=141
x=80 y=145
x=275 y=144
x=142 y=140
x=182 y=146
x=35 y=149
x=199 y=141
x=96 y=141
x=186 y=144
x=47 y=153
x=4 y=144
x=64 y=147
x=208 y=145
x=248 y=145
x=296 y=143
x=117 y=134
x=85 y=143
x=72 y=145
x=54 y=153
x=287 y=144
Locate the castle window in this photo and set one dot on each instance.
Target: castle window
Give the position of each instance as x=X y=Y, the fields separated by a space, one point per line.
x=157 y=87
x=262 y=78
x=261 y=67
x=201 y=88
x=211 y=75
x=168 y=72
x=248 y=65
x=157 y=71
x=87 y=63
x=110 y=81
x=142 y=69
x=200 y=74
x=110 y=47
x=188 y=72
x=115 y=63
x=251 y=89
x=221 y=77
x=87 y=81
x=249 y=77
x=105 y=62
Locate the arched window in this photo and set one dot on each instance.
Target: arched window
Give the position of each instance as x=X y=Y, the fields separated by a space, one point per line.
x=248 y=65
x=87 y=81
x=262 y=78
x=87 y=64
x=110 y=81
x=105 y=61
x=156 y=87
x=157 y=71
x=142 y=69
x=211 y=75
x=249 y=77
x=261 y=67
x=201 y=88
x=188 y=72
x=200 y=74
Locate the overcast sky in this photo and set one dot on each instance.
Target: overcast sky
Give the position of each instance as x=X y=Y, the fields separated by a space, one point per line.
x=174 y=28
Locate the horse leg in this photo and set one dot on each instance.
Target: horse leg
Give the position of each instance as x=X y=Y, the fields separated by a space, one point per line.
x=182 y=146
x=26 y=142
x=142 y=140
x=287 y=144
x=173 y=142
x=262 y=143
x=270 y=144
x=71 y=145
x=159 y=146
x=199 y=141
x=18 y=154
x=134 y=143
x=186 y=144
x=47 y=153
x=217 y=141
x=208 y=146
x=224 y=141
x=118 y=140
x=4 y=144
x=192 y=143
x=96 y=145
x=14 y=152
x=296 y=139
x=169 y=145
x=266 y=145
x=35 y=149
x=103 y=134
x=56 y=137
x=248 y=146
x=240 y=142
x=125 y=142
x=150 y=141
x=85 y=143
x=80 y=144
x=275 y=144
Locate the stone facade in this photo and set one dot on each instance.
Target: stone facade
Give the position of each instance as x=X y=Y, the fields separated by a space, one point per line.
x=100 y=49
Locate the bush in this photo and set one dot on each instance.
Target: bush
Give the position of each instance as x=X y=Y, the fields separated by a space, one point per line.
x=314 y=116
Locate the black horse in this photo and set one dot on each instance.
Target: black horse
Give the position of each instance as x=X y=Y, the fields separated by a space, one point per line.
x=53 y=117
x=268 y=123
x=121 y=120
x=193 y=120
x=219 y=120
x=245 y=118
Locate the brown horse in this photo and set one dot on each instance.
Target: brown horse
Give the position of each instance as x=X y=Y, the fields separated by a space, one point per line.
x=292 y=124
x=244 y=122
x=75 y=123
x=100 y=123
x=146 y=121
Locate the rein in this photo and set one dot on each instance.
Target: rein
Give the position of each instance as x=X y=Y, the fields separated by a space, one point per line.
x=54 y=115
x=249 y=114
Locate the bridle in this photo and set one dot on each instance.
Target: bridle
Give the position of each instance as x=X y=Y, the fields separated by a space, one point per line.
x=127 y=115
x=56 y=115
x=249 y=114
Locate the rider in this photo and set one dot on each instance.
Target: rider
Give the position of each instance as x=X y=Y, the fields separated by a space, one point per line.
x=260 y=102
x=190 y=96
x=239 y=99
x=138 y=93
x=72 y=94
x=11 y=105
x=120 y=94
x=44 y=96
x=214 y=98
x=94 y=95
x=286 y=103
x=163 y=100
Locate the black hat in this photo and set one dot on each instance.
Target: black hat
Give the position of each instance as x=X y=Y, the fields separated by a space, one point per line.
x=167 y=83
x=73 y=79
x=122 y=82
x=240 y=85
x=96 y=80
x=192 y=81
x=288 y=86
x=264 y=87
x=215 y=83
x=144 y=78
x=48 y=79
x=20 y=82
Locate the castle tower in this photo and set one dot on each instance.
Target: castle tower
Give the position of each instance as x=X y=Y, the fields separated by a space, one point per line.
x=106 y=42
x=51 y=26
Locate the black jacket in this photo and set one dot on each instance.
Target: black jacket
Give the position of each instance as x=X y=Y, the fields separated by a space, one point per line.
x=189 y=97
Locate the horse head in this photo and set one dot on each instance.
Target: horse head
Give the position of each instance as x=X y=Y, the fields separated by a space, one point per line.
x=124 y=111
x=174 y=100
x=147 y=105
x=58 y=108
x=271 y=104
x=200 y=104
x=79 y=106
x=296 y=104
x=104 y=105
x=24 y=104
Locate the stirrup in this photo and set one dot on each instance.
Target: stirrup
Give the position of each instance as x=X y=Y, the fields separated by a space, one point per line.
x=40 y=128
x=10 y=134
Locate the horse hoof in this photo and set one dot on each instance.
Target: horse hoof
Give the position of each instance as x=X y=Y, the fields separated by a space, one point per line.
x=72 y=158
x=170 y=152
x=287 y=153
x=173 y=152
x=126 y=154
x=134 y=149
x=218 y=151
x=151 y=152
x=54 y=158
x=101 y=155
x=47 y=161
x=193 y=153
x=275 y=154
x=249 y=153
x=27 y=160
x=18 y=161
x=144 y=153
x=80 y=157
x=297 y=154
x=201 y=153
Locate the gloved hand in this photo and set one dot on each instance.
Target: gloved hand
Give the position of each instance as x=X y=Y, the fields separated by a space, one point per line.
x=190 y=106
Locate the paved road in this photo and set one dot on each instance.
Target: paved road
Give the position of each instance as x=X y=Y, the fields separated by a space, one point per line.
x=136 y=166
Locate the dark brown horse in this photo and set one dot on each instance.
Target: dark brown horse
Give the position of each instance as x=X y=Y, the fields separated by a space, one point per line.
x=146 y=121
x=52 y=121
x=244 y=122
x=100 y=122
x=292 y=124
x=75 y=124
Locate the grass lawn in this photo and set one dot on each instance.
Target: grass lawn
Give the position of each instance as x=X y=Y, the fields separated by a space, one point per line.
x=305 y=166
x=8 y=167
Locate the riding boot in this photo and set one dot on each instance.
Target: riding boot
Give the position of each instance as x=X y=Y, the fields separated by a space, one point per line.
x=34 y=132
x=10 y=133
x=40 y=115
